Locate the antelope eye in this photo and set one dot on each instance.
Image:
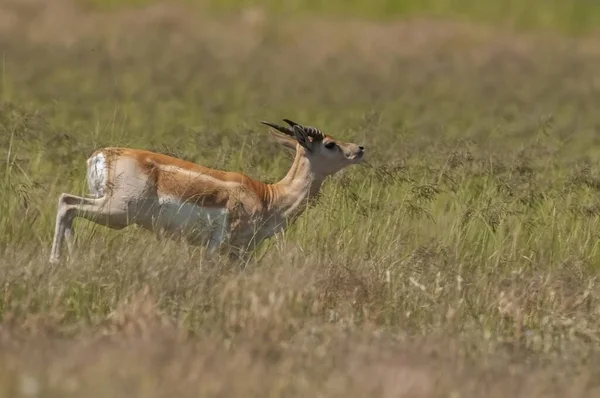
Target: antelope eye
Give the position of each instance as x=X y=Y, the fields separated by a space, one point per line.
x=330 y=145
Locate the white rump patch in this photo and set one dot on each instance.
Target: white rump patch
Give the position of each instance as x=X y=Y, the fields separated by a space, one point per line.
x=195 y=222
x=96 y=174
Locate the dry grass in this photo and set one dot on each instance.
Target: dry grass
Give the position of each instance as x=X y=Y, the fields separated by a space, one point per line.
x=462 y=261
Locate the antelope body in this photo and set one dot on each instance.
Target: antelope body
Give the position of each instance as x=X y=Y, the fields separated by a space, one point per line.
x=202 y=206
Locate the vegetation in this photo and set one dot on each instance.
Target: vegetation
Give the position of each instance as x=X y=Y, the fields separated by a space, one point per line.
x=461 y=261
x=575 y=16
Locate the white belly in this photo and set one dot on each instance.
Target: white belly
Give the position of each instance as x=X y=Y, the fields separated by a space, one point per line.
x=195 y=223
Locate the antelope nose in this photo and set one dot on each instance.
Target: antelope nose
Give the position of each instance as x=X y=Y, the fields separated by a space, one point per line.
x=362 y=148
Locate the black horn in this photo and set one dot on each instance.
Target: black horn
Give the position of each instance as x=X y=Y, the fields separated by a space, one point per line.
x=291 y=123
x=277 y=127
x=313 y=132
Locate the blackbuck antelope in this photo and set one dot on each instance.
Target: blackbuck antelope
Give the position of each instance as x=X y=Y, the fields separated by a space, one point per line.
x=199 y=205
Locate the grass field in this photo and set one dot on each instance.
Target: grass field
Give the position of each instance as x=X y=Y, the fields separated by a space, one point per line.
x=461 y=261
x=575 y=16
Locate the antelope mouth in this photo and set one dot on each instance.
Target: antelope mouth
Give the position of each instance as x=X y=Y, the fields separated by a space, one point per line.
x=358 y=156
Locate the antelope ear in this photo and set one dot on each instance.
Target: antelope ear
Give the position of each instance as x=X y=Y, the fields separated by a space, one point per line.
x=284 y=140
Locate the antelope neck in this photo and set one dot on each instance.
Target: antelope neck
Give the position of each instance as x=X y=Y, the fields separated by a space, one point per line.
x=291 y=195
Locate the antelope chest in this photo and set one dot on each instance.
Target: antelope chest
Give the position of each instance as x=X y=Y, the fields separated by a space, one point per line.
x=254 y=231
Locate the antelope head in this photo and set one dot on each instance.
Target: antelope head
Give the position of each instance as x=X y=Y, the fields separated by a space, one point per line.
x=326 y=155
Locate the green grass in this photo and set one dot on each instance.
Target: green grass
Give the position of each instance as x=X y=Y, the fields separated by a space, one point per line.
x=575 y=16
x=462 y=260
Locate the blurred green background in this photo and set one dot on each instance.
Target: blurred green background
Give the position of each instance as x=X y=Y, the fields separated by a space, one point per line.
x=575 y=16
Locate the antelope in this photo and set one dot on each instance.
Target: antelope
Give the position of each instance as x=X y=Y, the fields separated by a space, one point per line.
x=221 y=210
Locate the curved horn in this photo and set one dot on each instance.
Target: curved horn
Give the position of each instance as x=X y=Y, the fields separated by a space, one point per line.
x=313 y=132
x=282 y=129
x=291 y=123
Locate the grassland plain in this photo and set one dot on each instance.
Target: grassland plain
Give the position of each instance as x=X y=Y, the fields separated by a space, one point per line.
x=462 y=261
x=575 y=16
